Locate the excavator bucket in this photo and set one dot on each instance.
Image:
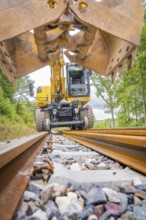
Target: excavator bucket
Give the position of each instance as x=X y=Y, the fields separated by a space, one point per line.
x=97 y=34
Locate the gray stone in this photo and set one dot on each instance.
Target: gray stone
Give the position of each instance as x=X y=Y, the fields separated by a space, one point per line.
x=114 y=209
x=128 y=216
x=96 y=195
x=19 y=215
x=35 y=187
x=112 y=195
x=89 y=165
x=127 y=188
x=27 y=196
x=70 y=189
x=88 y=211
x=137 y=201
x=105 y=215
x=139 y=212
x=141 y=187
x=23 y=206
x=31 y=208
x=94 y=161
x=83 y=194
x=72 y=212
x=51 y=209
x=123 y=200
x=144 y=203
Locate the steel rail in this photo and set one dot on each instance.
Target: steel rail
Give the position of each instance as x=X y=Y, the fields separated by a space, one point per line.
x=132 y=140
x=10 y=151
x=133 y=158
x=16 y=172
x=127 y=131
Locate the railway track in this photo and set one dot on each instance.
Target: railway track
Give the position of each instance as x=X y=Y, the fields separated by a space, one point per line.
x=59 y=173
x=16 y=160
x=127 y=146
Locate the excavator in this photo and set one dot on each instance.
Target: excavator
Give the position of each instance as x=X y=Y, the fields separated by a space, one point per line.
x=95 y=35
x=62 y=104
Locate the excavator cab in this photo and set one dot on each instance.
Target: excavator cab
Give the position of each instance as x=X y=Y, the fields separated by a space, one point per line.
x=78 y=83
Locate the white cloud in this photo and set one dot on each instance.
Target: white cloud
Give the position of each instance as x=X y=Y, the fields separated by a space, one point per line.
x=100 y=115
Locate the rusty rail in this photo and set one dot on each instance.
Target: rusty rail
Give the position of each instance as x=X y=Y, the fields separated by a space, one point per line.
x=16 y=167
x=122 y=145
x=120 y=131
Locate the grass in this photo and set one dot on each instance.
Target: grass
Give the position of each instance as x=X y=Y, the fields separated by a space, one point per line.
x=11 y=129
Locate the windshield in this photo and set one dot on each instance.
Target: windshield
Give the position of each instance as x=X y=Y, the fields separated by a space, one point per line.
x=79 y=90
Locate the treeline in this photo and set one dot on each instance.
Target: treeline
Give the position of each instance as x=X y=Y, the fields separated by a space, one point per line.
x=16 y=111
x=125 y=100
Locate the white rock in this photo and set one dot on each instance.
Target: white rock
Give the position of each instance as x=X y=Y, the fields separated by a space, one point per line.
x=63 y=203
x=102 y=166
x=136 y=181
x=75 y=167
x=47 y=192
x=92 y=217
x=112 y=195
x=40 y=215
x=74 y=201
x=72 y=195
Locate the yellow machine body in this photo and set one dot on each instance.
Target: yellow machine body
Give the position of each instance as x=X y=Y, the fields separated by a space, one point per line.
x=43 y=96
x=58 y=88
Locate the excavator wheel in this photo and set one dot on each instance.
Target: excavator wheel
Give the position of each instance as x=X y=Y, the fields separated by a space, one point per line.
x=47 y=125
x=86 y=123
x=90 y=116
x=39 y=120
x=46 y=121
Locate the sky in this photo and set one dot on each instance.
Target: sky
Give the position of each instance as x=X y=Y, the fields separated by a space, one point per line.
x=42 y=78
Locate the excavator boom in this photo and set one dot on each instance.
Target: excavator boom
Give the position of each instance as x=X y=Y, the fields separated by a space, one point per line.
x=32 y=31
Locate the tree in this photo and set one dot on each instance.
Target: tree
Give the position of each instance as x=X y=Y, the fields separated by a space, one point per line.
x=105 y=90
x=141 y=62
x=23 y=93
x=8 y=89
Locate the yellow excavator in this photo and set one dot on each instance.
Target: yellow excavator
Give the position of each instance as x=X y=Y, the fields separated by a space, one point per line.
x=99 y=35
x=62 y=104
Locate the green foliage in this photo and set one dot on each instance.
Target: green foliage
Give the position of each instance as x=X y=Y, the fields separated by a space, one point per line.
x=6 y=86
x=128 y=94
x=16 y=111
x=106 y=90
x=13 y=128
x=103 y=124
